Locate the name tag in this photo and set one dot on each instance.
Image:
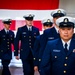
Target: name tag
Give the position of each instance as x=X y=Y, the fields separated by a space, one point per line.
x=51 y=38
x=24 y=33
x=56 y=50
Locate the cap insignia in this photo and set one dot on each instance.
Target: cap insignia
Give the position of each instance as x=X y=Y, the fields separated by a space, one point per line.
x=66 y=20
x=59 y=11
x=30 y=15
x=48 y=20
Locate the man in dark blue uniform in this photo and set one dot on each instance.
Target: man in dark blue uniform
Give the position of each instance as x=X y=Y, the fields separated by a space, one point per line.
x=47 y=23
x=6 y=39
x=59 y=54
x=51 y=34
x=26 y=35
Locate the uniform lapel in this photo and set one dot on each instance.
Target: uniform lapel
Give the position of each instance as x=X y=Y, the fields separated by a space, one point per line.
x=33 y=30
x=72 y=46
x=10 y=33
x=4 y=32
x=26 y=28
x=54 y=32
x=60 y=47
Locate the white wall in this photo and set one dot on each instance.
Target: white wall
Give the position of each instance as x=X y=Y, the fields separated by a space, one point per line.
x=69 y=6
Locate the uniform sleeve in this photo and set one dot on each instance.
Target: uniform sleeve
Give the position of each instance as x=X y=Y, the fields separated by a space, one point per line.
x=16 y=42
x=0 y=37
x=13 y=38
x=12 y=41
x=45 y=66
x=38 y=33
x=44 y=40
x=36 y=50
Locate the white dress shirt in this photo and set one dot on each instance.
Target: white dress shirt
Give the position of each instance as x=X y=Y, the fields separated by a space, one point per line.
x=68 y=43
x=29 y=28
x=6 y=30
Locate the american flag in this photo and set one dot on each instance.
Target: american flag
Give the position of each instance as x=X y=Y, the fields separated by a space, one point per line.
x=16 y=9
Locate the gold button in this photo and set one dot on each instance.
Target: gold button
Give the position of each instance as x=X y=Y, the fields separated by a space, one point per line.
x=39 y=59
x=8 y=48
x=29 y=36
x=55 y=56
x=8 y=42
x=8 y=39
x=29 y=40
x=8 y=45
x=34 y=58
x=65 y=71
x=66 y=58
x=30 y=43
x=24 y=36
x=65 y=64
x=30 y=46
x=1 y=50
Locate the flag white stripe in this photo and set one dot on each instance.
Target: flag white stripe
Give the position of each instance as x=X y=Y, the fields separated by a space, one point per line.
x=18 y=14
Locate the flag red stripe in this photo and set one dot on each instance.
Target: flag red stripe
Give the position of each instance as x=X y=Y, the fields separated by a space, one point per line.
x=38 y=24
x=19 y=23
x=29 y=4
x=13 y=25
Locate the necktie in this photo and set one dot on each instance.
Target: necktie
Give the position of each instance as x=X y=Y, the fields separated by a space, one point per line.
x=66 y=50
x=7 y=32
x=30 y=29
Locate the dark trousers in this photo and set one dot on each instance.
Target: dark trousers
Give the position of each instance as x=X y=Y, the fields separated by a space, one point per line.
x=5 y=70
x=28 y=68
